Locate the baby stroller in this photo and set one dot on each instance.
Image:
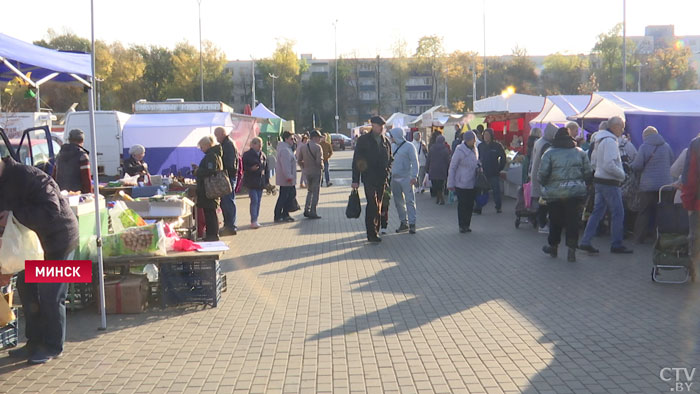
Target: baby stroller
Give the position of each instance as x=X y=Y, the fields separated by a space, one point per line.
x=522 y=210
x=671 y=249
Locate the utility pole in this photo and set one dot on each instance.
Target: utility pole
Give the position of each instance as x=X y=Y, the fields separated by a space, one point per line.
x=473 y=86
x=446 y=71
x=624 y=45
x=273 y=76
x=253 y=87
x=379 y=101
x=201 y=61
x=335 y=54
x=485 y=68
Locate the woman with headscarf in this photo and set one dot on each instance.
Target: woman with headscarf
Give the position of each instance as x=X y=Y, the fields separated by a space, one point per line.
x=462 y=178
x=211 y=163
x=563 y=174
x=437 y=165
x=135 y=165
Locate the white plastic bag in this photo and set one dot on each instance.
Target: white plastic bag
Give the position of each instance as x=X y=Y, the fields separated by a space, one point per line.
x=18 y=245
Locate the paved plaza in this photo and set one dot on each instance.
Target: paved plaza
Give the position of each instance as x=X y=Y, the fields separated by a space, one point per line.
x=311 y=307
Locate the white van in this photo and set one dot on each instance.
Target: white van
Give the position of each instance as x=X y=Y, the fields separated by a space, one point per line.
x=108 y=129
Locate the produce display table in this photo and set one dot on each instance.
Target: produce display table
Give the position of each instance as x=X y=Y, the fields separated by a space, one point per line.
x=182 y=276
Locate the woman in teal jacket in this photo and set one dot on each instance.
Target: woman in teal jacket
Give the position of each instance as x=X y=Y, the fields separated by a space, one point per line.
x=563 y=174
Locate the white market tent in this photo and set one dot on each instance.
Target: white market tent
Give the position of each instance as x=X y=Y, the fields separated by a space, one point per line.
x=438 y=115
x=604 y=105
x=558 y=108
x=515 y=103
x=399 y=119
x=37 y=65
x=261 y=111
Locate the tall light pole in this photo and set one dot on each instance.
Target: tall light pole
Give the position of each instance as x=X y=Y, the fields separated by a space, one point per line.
x=473 y=86
x=201 y=61
x=273 y=76
x=624 y=45
x=335 y=54
x=485 y=68
x=253 y=85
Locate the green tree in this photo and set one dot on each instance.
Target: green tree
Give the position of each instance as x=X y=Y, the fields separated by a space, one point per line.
x=287 y=66
x=607 y=55
x=124 y=85
x=670 y=69
x=520 y=72
x=67 y=41
x=400 y=67
x=158 y=73
x=430 y=59
x=318 y=94
x=563 y=74
x=460 y=67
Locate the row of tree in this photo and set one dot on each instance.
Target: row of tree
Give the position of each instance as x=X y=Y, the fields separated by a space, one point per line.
x=156 y=73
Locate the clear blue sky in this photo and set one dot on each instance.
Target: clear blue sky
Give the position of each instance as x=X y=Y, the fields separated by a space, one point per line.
x=365 y=27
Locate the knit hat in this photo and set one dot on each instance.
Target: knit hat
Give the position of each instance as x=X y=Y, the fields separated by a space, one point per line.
x=468 y=136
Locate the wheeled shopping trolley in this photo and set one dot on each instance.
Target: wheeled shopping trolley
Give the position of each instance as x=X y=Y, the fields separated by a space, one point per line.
x=672 y=247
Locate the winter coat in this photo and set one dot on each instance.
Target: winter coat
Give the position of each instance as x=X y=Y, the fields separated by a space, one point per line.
x=230 y=157
x=371 y=162
x=690 y=191
x=35 y=200
x=73 y=169
x=405 y=164
x=211 y=164
x=438 y=162
x=493 y=158
x=606 y=160
x=541 y=145
x=134 y=167
x=678 y=165
x=653 y=161
x=422 y=152
x=255 y=179
x=310 y=158
x=463 y=166
x=564 y=171
x=286 y=165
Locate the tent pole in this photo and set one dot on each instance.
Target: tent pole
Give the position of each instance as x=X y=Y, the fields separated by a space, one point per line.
x=95 y=176
x=38 y=98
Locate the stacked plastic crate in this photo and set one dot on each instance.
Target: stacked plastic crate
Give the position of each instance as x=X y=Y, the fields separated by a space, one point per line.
x=9 y=334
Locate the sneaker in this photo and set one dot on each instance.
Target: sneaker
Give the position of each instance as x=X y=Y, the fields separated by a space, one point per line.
x=374 y=239
x=306 y=214
x=620 y=250
x=477 y=211
x=255 y=225
x=313 y=216
x=22 y=352
x=571 y=255
x=589 y=249
x=226 y=231
x=329 y=184
x=382 y=231
x=550 y=250
x=544 y=230
x=462 y=230
x=498 y=210
x=412 y=229
x=402 y=228
x=288 y=219
x=42 y=357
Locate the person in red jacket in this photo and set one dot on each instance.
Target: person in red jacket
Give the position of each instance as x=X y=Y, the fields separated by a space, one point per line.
x=690 y=195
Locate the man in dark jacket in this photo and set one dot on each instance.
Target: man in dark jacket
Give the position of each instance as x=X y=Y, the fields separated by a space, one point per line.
x=371 y=163
x=493 y=161
x=72 y=171
x=35 y=201
x=256 y=176
x=230 y=158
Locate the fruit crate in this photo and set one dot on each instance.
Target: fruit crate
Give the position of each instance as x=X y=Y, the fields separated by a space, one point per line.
x=9 y=334
x=185 y=282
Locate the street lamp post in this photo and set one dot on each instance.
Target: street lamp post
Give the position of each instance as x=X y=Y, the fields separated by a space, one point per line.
x=273 y=76
x=253 y=84
x=485 y=68
x=201 y=61
x=335 y=54
x=624 y=45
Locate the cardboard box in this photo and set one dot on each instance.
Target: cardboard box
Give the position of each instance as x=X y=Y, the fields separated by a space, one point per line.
x=81 y=208
x=161 y=209
x=126 y=294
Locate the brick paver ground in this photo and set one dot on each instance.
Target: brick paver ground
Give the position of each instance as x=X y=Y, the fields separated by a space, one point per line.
x=312 y=308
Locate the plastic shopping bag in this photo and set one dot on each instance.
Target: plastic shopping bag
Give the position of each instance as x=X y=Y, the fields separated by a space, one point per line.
x=353 y=210
x=427 y=184
x=18 y=244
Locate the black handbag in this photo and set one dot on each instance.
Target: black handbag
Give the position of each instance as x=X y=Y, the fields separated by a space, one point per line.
x=353 y=210
x=482 y=183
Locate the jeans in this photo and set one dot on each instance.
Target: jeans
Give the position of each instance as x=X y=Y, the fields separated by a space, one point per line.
x=465 y=206
x=606 y=197
x=287 y=194
x=255 y=198
x=228 y=206
x=327 y=172
x=495 y=182
x=313 y=184
x=373 y=212
x=404 y=197
x=44 y=306
x=212 y=224
x=564 y=215
x=647 y=213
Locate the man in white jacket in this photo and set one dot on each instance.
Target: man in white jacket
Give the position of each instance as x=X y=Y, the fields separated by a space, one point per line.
x=404 y=176
x=608 y=177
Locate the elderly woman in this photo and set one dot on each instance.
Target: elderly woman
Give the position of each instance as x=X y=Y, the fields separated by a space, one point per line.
x=135 y=165
x=653 y=162
x=462 y=178
x=437 y=165
x=255 y=176
x=211 y=164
